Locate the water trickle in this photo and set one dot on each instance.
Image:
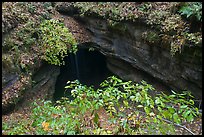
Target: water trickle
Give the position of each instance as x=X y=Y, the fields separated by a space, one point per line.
x=89 y=67
x=77 y=66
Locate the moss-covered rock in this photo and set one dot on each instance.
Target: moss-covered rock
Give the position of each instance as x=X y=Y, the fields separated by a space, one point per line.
x=151 y=37
x=14 y=92
x=164 y=17
x=20 y=48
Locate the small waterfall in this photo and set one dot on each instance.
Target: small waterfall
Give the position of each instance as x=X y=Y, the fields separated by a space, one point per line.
x=89 y=67
x=77 y=66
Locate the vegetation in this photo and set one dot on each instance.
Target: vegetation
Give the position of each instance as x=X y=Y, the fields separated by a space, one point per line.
x=55 y=41
x=36 y=37
x=27 y=40
x=164 y=17
x=192 y=9
x=117 y=107
x=21 y=20
x=19 y=47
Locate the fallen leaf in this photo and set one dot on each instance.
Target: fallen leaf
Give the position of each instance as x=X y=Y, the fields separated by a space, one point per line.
x=45 y=126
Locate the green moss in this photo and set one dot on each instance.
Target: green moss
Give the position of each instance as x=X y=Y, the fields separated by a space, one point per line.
x=118 y=26
x=151 y=37
x=160 y=16
x=8 y=64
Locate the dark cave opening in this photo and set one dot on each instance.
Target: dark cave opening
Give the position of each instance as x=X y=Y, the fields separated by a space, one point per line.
x=89 y=67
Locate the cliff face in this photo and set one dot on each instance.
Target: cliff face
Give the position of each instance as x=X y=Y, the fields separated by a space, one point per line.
x=133 y=50
x=20 y=56
x=124 y=42
x=20 y=87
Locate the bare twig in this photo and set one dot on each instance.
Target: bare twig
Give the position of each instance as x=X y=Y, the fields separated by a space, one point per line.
x=178 y=125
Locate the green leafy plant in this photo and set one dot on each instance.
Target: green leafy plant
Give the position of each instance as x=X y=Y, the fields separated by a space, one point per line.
x=151 y=37
x=192 y=9
x=47 y=5
x=51 y=119
x=31 y=8
x=117 y=107
x=145 y=6
x=118 y=96
x=55 y=40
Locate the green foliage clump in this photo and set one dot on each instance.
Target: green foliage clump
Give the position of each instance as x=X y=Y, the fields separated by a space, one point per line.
x=31 y=8
x=20 y=45
x=194 y=38
x=45 y=119
x=156 y=17
x=151 y=37
x=116 y=11
x=22 y=42
x=129 y=108
x=52 y=120
x=55 y=40
x=145 y=6
x=192 y=9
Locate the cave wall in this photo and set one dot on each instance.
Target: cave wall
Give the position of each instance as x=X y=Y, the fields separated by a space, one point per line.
x=181 y=72
x=41 y=85
x=125 y=42
x=21 y=54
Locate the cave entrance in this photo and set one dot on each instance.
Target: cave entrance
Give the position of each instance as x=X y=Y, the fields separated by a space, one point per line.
x=89 y=67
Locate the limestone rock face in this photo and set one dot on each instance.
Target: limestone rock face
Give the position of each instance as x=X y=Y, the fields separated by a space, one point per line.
x=182 y=72
x=124 y=43
x=43 y=80
x=20 y=56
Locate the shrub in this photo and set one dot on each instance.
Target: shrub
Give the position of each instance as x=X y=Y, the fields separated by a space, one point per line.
x=128 y=109
x=55 y=41
x=192 y=9
x=132 y=107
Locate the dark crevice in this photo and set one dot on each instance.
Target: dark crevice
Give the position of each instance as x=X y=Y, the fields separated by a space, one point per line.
x=89 y=67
